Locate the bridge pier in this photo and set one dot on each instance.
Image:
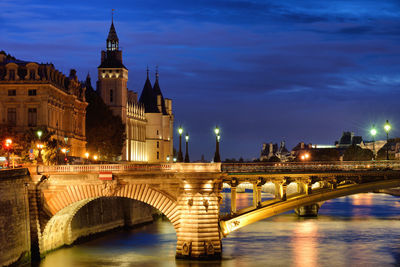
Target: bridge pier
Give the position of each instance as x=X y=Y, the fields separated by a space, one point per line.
x=309 y=210
x=280 y=190
x=198 y=234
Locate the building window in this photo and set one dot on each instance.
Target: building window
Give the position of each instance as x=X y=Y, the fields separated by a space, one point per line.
x=157 y=132
x=12 y=116
x=111 y=95
x=12 y=75
x=32 y=117
x=32 y=92
x=158 y=155
x=12 y=92
x=32 y=74
x=158 y=144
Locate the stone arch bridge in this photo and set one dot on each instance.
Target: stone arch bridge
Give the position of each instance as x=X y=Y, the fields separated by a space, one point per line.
x=189 y=195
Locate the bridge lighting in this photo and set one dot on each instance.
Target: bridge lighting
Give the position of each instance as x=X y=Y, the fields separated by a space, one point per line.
x=373 y=132
x=217 y=157
x=387 y=128
x=167 y=158
x=174 y=159
x=187 y=160
x=216 y=130
x=95 y=157
x=87 y=155
x=180 y=156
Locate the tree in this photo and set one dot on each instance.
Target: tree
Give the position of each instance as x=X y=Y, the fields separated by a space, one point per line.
x=24 y=142
x=356 y=153
x=105 y=133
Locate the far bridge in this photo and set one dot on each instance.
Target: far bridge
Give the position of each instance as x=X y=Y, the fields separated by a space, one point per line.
x=190 y=194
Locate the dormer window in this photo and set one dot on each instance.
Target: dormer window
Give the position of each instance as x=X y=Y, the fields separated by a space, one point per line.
x=32 y=74
x=11 y=75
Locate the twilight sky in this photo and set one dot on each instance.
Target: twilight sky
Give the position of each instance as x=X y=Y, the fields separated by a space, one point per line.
x=261 y=70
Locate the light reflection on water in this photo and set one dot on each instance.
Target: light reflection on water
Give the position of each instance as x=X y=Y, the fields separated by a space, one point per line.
x=361 y=230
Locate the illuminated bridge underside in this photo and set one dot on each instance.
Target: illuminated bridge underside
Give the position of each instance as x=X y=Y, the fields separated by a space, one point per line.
x=258 y=214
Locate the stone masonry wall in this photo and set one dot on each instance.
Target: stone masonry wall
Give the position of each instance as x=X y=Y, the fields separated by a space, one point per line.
x=14 y=216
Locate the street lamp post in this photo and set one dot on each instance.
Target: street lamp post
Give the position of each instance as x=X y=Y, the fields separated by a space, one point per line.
x=180 y=156
x=39 y=147
x=187 y=148
x=217 y=158
x=64 y=150
x=373 y=133
x=387 y=128
x=7 y=145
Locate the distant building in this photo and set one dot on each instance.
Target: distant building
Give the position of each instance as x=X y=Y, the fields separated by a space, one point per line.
x=300 y=149
x=38 y=95
x=269 y=150
x=149 y=120
x=348 y=139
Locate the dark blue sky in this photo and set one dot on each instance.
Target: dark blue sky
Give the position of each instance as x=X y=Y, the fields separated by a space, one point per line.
x=261 y=70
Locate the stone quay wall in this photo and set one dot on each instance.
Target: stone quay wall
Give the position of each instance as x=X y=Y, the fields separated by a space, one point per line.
x=14 y=216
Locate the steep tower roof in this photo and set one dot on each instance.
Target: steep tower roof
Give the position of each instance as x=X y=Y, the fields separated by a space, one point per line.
x=112 y=57
x=148 y=98
x=112 y=34
x=157 y=91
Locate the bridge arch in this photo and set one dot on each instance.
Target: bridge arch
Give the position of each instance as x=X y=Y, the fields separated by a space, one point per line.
x=66 y=203
x=253 y=216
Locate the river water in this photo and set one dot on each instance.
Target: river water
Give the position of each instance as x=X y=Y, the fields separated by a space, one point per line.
x=360 y=230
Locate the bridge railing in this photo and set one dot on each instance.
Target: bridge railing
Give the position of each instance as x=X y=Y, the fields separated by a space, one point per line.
x=164 y=167
x=309 y=166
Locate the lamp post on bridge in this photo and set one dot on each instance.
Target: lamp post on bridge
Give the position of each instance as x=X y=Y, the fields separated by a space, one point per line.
x=373 y=133
x=39 y=147
x=180 y=157
x=187 y=148
x=217 y=157
x=387 y=128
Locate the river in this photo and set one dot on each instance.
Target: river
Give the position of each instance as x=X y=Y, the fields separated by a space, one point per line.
x=360 y=230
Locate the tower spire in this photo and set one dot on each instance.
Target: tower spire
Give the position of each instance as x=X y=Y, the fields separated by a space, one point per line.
x=112 y=39
x=157 y=73
x=147 y=70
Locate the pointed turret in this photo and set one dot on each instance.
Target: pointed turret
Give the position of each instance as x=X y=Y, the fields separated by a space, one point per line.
x=112 y=39
x=148 y=98
x=157 y=92
x=112 y=57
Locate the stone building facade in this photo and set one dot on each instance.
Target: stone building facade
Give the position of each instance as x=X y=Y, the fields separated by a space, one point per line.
x=38 y=95
x=148 y=121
